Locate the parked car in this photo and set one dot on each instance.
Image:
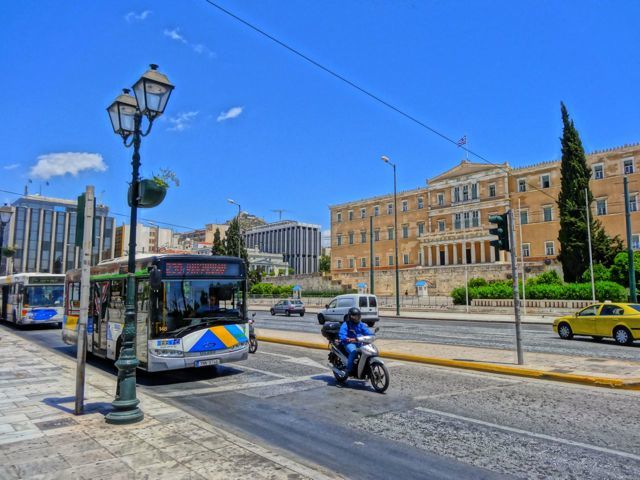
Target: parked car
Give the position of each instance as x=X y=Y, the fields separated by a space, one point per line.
x=336 y=310
x=288 y=307
x=621 y=321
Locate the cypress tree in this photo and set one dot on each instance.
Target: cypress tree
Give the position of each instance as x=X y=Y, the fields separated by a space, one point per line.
x=574 y=246
x=218 y=244
x=233 y=239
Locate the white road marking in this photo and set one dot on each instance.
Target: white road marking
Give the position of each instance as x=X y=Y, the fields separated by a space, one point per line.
x=532 y=434
x=257 y=370
x=236 y=387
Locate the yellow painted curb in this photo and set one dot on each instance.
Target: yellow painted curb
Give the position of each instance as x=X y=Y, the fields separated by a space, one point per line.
x=632 y=384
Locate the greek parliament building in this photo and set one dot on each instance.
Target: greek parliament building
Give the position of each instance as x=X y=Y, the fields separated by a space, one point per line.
x=299 y=243
x=443 y=227
x=43 y=231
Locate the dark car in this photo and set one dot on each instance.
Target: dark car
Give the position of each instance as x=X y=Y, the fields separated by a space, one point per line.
x=288 y=307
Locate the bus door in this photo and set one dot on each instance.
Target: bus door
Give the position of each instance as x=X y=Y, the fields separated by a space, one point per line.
x=100 y=306
x=5 y=301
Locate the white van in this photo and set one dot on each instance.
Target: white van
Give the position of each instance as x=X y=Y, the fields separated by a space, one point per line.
x=338 y=308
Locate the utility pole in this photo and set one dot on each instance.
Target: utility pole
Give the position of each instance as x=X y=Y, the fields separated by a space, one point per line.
x=632 y=268
x=516 y=293
x=593 y=285
x=371 y=262
x=524 y=289
x=81 y=354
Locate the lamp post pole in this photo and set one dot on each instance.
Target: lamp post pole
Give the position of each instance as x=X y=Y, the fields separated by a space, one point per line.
x=233 y=202
x=5 y=218
x=395 y=230
x=152 y=92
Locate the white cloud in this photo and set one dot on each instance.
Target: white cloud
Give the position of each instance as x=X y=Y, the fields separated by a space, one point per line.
x=233 y=112
x=58 y=164
x=175 y=35
x=182 y=121
x=137 y=17
x=199 y=48
x=13 y=166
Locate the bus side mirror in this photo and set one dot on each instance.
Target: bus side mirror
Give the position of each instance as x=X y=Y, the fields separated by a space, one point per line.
x=155 y=278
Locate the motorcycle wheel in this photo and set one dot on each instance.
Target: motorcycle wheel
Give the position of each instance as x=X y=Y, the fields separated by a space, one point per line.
x=379 y=376
x=253 y=345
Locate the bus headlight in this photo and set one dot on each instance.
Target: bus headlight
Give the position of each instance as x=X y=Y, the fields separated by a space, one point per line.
x=165 y=352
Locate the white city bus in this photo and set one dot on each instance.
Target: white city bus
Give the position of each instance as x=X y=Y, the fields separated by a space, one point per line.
x=32 y=298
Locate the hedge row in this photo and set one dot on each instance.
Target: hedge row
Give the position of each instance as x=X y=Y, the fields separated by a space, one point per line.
x=563 y=291
x=271 y=289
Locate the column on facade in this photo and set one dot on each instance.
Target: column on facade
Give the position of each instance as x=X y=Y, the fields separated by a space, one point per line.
x=446 y=253
x=455 y=253
x=483 y=245
x=492 y=254
x=473 y=252
x=429 y=256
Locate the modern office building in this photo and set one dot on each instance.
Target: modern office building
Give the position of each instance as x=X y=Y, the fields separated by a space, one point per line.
x=299 y=243
x=149 y=239
x=43 y=231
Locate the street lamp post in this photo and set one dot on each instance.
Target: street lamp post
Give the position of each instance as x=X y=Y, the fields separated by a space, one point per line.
x=151 y=92
x=233 y=202
x=5 y=218
x=386 y=160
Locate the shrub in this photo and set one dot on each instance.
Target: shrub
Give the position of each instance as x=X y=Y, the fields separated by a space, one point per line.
x=600 y=274
x=550 y=277
x=610 y=291
x=477 y=282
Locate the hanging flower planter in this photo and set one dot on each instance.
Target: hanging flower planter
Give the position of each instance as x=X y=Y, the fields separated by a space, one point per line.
x=151 y=193
x=8 y=251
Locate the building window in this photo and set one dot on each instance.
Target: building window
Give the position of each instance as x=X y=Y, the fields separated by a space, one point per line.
x=405 y=205
x=441 y=199
x=363 y=262
x=350 y=238
x=547 y=214
x=376 y=211
x=338 y=263
x=526 y=249
x=492 y=190
x=545 y=181
x=363 y=212
x=475 y=218
x=635 y=242
x=420 y=228
x=467 y=217
x=377 y=260
x=549 y=248
x=405 y=231
x=456 y=194
x=474 y=191
x=522 y=185
x=350 y=215
x=524 y=217
x=352 y=263
x=390 y=260
x=633 y=202
x=598 y=171
x=405 y=259
x=628 y=166
x=465 y=193
x=441 y=225
x=601 y=207
x=376 y=235
x=390 y=233
x=338 y=239
x=420 y=203
x=389 y=208
x=363 y=237
x=339 y=217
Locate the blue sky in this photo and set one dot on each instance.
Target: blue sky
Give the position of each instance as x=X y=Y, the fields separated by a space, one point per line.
x=296 y=138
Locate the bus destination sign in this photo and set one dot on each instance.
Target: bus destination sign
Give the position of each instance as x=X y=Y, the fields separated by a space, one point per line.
x=196 y=269
x=46 y=280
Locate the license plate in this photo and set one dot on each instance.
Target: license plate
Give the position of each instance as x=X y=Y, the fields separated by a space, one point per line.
x=206 y=363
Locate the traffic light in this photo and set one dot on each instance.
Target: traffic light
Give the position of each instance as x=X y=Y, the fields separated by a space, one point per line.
x=501 y=231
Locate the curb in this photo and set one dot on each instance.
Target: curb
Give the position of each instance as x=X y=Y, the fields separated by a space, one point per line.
x=605 y=382
x=409 y=317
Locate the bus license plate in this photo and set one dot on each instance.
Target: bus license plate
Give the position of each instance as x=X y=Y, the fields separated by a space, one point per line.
x=206 y=363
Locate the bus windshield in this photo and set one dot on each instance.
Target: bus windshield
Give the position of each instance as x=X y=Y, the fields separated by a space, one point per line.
x=43 y=296
x=194 y=302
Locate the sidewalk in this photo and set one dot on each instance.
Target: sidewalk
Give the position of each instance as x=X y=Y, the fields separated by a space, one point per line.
x=445 y=315
x=594 y=371
x=41 y=438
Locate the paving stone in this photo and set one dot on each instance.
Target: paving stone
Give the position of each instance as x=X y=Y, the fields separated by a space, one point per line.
x=85 y=457
x=167 y=471
x=144 y=459
x=35 y=466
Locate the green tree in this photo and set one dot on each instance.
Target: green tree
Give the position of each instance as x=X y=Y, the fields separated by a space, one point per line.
x=620 y=268
x=575 y=175
x=324 y=265
x=218 y=244
x=234 y=241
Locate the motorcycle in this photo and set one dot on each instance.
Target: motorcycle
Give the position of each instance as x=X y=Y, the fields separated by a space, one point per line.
x=253 y=341
x=367 y=366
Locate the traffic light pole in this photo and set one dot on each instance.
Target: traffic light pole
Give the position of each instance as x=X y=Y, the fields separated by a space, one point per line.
x=516 y=294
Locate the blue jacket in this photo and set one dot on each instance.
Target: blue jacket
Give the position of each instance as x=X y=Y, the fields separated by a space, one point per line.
x=352 y=330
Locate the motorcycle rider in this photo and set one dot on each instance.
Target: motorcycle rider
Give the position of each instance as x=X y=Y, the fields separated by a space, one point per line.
x=349 y=331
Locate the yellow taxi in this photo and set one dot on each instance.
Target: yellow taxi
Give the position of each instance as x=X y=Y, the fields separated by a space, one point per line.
x=621 y=321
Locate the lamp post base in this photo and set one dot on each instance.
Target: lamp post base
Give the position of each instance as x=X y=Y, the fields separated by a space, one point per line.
x=125 y=417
